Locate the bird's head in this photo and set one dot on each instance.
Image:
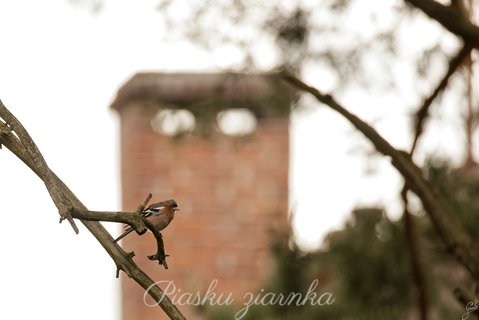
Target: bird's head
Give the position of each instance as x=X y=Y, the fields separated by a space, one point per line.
x=173 y=204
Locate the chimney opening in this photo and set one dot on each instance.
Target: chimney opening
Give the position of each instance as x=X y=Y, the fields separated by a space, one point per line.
x=236 y=122
x=173 y=122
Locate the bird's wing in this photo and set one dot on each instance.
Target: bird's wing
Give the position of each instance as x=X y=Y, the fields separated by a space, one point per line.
x=152 y=210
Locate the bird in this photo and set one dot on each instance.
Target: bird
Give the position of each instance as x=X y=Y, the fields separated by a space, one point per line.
x=159 y=214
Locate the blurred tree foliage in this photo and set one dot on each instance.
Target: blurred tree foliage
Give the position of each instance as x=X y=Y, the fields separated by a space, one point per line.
x=367 y=264
x=268 y=34
x=350 y=42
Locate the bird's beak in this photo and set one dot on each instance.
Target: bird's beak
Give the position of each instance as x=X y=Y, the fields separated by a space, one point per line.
x=177 y=209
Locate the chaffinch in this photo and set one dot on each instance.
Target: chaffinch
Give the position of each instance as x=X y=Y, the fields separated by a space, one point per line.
x=159 y=214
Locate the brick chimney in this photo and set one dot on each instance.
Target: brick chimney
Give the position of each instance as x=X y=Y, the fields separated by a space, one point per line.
x=232 y=189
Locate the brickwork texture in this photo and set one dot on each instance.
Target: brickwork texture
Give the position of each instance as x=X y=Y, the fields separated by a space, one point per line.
x=232 y=191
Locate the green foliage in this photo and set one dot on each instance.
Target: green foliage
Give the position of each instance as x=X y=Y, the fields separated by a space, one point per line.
x=370 y=262
x=461 y=188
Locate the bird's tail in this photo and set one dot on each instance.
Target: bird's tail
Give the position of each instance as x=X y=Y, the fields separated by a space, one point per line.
x=124 y=234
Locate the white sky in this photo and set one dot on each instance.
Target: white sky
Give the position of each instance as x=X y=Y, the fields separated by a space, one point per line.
x=60 y=68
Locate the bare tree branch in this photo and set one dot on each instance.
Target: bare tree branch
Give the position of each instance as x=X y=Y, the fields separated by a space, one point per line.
x=160 y=253
x=135 y=220
x=122 y=259
x=423 y=111
x=39 y=162
x=417 y=263
x=450 y=18
x=446 y=223
x=130 y=218
x=411 y=232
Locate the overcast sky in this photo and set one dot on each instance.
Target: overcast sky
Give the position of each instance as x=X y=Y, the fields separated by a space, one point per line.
x=60 y=68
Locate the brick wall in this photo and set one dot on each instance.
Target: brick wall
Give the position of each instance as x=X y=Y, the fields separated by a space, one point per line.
x=231 y=190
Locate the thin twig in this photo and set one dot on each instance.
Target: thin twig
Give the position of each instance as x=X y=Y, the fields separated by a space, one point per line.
x=160 y=253
x=470 y=115
x=143 y=206
x=423 y=111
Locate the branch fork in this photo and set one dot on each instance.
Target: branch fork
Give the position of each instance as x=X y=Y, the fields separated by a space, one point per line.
x=133 y=219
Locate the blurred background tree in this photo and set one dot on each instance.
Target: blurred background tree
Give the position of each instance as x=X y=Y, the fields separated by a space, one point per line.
x=377 y=267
